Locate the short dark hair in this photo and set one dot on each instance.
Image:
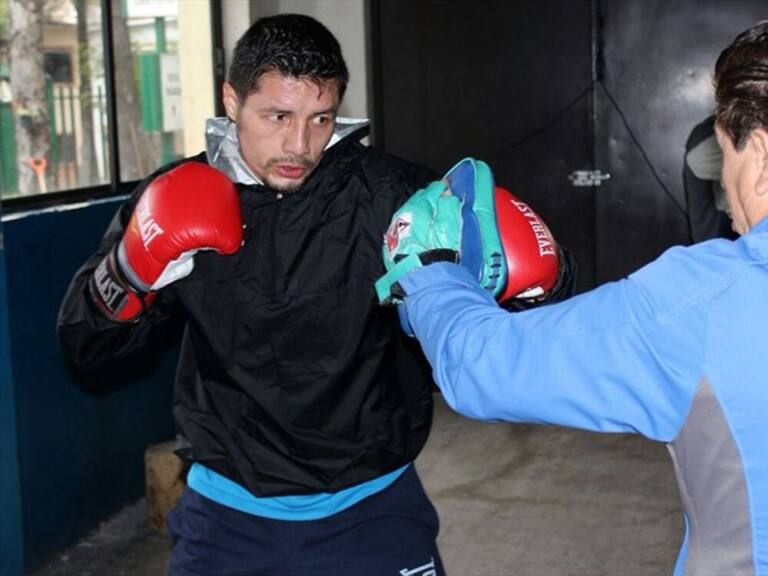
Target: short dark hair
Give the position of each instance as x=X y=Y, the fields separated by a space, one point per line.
x=294 y=45
x=741 y=84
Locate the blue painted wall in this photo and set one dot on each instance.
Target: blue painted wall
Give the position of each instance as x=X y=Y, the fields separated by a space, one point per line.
x=11 y=540
x=80 y=442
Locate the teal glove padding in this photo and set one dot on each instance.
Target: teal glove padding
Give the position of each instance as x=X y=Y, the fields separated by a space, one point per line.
x=426 y=229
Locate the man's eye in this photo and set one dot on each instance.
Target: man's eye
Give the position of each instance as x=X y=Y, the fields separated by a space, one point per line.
x=321 y=120
x=279 y=117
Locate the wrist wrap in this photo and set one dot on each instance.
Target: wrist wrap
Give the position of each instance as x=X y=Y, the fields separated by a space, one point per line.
x=114 y=295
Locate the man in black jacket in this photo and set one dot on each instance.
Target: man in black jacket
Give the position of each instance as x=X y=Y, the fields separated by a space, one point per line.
x=705 y=198
x=299 y=402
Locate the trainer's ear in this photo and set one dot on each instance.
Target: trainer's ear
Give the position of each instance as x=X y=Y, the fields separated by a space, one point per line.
x=759 y=139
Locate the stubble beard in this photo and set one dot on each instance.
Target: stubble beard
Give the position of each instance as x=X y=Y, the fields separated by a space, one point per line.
x=289 y=187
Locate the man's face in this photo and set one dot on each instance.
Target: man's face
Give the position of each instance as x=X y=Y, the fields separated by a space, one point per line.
x=284 y=127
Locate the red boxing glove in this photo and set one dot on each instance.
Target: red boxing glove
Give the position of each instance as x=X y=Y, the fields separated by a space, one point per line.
x=192 y=207
x=531 y=252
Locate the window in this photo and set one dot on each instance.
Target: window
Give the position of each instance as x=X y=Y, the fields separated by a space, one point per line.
x=75 y=91
x=58 y=66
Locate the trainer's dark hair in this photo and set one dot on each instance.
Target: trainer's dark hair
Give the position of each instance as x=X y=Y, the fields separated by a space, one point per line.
x=741 y=84
x=292 y=44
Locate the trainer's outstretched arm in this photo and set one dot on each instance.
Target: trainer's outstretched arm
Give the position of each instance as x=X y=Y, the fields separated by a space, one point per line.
x=588 y=362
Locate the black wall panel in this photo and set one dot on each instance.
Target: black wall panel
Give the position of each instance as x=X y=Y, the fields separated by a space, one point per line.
x=655 y=64
x=504 y=81
x=543 y=88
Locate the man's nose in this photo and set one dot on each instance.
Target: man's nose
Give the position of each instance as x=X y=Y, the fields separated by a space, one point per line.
x=297 y=140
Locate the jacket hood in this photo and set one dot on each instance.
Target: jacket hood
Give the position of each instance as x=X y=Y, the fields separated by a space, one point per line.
x=222 y=146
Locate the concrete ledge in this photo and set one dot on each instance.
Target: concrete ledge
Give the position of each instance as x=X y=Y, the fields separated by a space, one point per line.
x=165 y=475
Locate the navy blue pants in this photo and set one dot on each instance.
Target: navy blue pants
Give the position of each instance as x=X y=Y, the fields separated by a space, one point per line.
x=390 y=533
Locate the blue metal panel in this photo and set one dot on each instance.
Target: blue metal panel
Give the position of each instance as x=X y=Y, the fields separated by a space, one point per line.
x=81 y=444
x=11 y=539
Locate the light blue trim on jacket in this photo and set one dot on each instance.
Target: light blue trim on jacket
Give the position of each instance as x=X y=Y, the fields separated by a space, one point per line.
x=299 y=507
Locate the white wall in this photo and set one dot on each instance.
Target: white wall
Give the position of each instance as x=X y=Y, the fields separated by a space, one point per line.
x=344 y=18
x=236 y=17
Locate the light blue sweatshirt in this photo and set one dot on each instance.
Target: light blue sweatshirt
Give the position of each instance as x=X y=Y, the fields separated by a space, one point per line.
x=678 y=352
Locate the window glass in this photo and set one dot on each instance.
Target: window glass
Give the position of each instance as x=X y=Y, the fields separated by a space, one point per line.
x=164 y=85
x=54 y=133
x=52 y=100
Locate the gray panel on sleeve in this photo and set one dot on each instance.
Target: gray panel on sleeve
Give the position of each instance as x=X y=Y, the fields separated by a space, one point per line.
x=713 y=488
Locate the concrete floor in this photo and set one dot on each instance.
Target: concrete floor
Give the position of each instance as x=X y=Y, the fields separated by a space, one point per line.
x=513 y=500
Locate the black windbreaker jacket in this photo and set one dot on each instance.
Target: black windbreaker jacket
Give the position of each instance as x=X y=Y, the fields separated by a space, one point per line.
x=291 y=378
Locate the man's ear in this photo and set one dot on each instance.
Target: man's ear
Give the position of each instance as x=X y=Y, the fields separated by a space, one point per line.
x=760 y=141
x=231 y=101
